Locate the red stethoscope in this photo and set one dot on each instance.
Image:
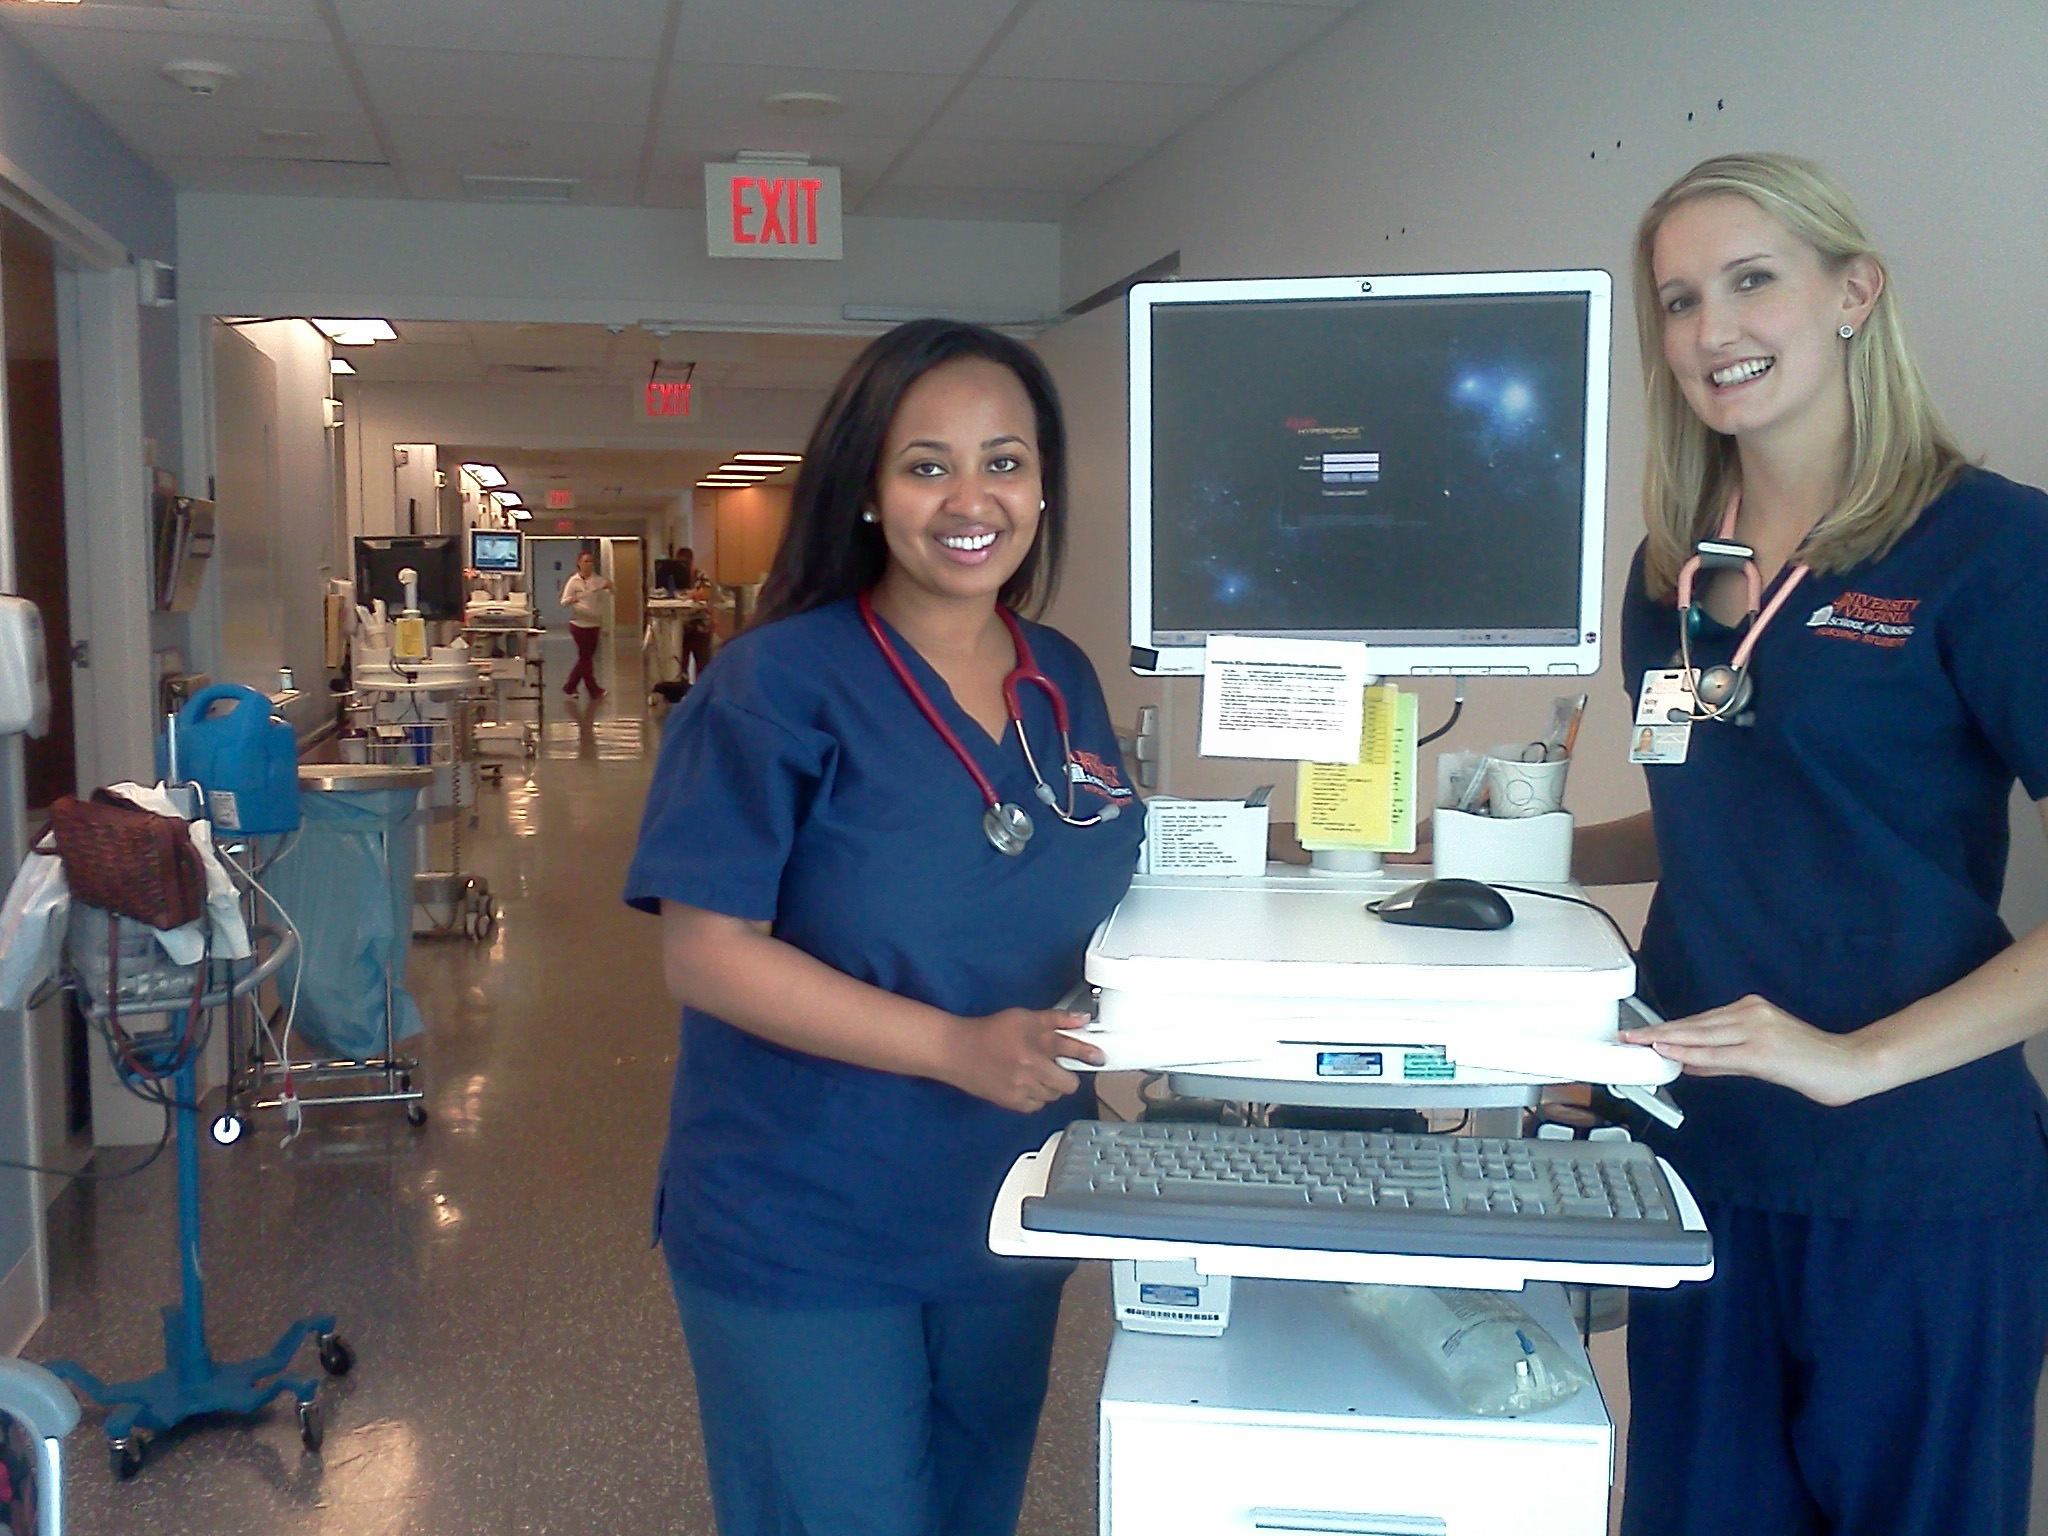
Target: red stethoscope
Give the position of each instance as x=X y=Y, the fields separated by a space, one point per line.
x=1005 y=823
x=1725 y=692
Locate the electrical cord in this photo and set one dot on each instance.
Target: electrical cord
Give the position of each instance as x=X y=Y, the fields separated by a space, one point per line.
x=1457 y=709
x=1577 y=901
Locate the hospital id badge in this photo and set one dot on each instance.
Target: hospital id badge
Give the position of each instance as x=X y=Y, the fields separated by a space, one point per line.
x=1664 y=713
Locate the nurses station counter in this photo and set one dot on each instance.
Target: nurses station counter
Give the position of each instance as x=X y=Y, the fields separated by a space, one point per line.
x=1287 y=990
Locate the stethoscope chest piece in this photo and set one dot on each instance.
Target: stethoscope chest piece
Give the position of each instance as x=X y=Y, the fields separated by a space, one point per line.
x=1007 y=827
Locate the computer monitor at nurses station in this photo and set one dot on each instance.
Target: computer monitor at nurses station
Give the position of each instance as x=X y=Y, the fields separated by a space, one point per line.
x=496 y=551
x=1418 y=463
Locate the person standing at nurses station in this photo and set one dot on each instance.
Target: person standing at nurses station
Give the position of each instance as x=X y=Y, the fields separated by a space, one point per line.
x=879 y=835
x=1837 y=631
x=584 y=594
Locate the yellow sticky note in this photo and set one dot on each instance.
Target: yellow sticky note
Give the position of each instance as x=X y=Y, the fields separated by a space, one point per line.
x=1369 y=804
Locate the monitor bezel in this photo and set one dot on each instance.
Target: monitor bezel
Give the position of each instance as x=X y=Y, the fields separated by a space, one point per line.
x=1580 y=657
x=496 y=533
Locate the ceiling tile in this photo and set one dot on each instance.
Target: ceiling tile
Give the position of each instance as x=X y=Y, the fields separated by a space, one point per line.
x=1176 y=42
x=1073 y=169
x=917 y=36
x=860 y=161
x=387 y=363
x=616 y=29
x=192 y=131
x=289 y=178
x=435 y=82
x=511 y=146
x=1075 y=111
x=730 y=98
x=276 y=20
x=106 y=66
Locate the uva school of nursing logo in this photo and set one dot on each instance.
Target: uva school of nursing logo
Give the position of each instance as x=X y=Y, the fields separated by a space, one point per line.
x=1880 y=621
x=1092 y=773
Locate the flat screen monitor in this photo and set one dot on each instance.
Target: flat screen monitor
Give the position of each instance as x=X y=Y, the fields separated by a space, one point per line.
x=496 y=551
x=1417 y=462
x=436 y=557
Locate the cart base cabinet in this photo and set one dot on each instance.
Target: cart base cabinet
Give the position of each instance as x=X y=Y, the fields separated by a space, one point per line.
x=1298 y=1420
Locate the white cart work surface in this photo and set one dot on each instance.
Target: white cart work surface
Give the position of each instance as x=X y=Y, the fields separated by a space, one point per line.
x=1288 y=978
x=1300 y=1419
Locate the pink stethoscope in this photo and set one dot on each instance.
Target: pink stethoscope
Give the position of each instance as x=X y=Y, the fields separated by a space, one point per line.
x=1005 y=823
x=1724 y=692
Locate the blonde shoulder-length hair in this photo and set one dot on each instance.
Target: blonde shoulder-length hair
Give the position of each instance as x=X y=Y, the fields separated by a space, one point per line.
x=1901 y=455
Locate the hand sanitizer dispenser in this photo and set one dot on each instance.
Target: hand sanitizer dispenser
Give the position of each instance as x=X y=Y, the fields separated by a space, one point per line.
x=24 y=669
x=409 y=633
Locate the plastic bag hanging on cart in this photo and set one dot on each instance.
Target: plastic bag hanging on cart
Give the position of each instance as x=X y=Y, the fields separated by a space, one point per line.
x=354 y=914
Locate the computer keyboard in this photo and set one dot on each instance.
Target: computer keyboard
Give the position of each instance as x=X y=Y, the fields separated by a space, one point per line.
x=1366 y=1192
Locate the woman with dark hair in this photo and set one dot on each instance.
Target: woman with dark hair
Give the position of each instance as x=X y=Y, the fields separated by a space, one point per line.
x=877 y=864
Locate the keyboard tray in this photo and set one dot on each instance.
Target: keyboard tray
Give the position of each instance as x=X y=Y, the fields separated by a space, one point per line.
x=1506 y=1271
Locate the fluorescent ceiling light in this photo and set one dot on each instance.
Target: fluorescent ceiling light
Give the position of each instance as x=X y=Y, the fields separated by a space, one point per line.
x=340 y=367
x=506 y=499
x=356 y=333
x=758 y=471
x=714 y=482
x=487 y=475
x=767 y=458
x=519 y=514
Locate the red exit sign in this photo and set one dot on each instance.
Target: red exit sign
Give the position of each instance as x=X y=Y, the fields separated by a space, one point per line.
x=561 y=500
x=775 y=209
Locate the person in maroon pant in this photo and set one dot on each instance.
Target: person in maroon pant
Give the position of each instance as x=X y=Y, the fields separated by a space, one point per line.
x=583 y=595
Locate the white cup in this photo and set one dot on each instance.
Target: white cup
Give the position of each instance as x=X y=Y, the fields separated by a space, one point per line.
x=1515 y=789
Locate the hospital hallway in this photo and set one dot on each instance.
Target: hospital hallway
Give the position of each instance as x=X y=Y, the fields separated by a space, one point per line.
x=520 y=1367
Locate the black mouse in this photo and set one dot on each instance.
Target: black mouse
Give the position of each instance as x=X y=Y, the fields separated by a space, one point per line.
x=1447 y=904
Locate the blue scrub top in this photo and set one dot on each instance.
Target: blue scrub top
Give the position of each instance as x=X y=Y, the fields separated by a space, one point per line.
x=1844 y=857
x=798 y=784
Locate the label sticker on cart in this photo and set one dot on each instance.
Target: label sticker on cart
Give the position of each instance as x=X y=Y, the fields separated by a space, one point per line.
x=225 y=810
x=1430 y=1066
x=1351 y=1064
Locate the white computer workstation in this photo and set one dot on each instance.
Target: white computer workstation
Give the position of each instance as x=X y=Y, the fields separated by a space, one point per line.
x=1418 y=465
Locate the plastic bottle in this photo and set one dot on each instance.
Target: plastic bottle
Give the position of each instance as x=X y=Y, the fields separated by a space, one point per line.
x=1493 y=1356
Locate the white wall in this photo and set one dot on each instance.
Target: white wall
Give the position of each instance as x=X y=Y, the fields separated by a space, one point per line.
x=1453 y=135
x=463 y=261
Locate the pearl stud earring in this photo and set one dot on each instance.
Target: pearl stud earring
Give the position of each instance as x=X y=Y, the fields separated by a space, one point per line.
x=870 y=516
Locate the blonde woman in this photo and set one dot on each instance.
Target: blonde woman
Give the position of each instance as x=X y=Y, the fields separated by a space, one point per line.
x=1825 y=940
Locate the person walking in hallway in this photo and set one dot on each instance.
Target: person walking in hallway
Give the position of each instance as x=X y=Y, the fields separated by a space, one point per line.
x=584 y=595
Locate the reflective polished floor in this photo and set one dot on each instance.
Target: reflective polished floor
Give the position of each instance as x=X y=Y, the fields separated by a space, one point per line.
x=520 y=1368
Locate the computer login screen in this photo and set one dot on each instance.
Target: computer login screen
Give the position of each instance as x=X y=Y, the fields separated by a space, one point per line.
x=1410 y=469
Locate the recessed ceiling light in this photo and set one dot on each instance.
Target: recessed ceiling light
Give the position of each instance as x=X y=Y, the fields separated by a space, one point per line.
x=295 y=137
x=340 y=367
x=356 y=333
x=767 y=458
x=803 y=104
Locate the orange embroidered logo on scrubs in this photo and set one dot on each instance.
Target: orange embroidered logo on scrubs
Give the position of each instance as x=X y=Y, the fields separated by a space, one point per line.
x=1094 y=774
x=1880 y=621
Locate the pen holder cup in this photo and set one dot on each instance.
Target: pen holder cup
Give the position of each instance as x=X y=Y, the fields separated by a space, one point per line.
x=1492 y=848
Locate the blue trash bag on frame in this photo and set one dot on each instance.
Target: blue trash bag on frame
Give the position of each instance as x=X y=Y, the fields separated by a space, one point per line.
x=354 y=920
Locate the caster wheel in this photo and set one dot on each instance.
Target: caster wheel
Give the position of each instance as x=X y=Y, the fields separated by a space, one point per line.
x=336 y=1358
x=487 y=923
x=127 y=1456
x=226 y=1130
x=311 y=1430
x=405 y=1082
x=415 y=1114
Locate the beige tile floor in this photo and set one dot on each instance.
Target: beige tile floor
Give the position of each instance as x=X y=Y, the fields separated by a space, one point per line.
x=520 y=1366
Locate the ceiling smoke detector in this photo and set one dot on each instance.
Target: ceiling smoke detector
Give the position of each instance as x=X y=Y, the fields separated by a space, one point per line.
x=201 y=77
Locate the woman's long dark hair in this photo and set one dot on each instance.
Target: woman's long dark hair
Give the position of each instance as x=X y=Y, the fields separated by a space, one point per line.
x=827 y=552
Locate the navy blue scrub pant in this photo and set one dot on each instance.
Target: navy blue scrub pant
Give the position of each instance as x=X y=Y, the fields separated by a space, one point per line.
x=908 y=1420
x=1840 y=1378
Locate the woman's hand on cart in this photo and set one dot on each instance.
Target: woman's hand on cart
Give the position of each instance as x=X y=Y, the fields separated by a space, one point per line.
x=1753 y=1037
x=1011 y=1058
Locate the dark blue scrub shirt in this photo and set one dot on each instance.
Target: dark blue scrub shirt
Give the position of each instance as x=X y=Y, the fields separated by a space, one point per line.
x=1844 y=857
x=799 y=785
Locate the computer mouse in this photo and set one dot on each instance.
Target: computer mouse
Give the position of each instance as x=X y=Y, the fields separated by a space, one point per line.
x=1447 y=904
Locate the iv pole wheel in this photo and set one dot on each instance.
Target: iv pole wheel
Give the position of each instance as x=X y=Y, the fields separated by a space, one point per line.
x=127 y=1456
x=415 y=1114
x=227 y=1129
x=336 y=1357
x=311 y=1430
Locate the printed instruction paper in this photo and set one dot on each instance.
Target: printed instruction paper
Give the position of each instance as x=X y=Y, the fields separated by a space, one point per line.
x=1369 y=804
x=1204 y=837
x=1299 y=699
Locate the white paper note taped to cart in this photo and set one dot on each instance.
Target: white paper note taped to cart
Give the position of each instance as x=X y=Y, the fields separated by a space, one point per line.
x=1270 y=698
